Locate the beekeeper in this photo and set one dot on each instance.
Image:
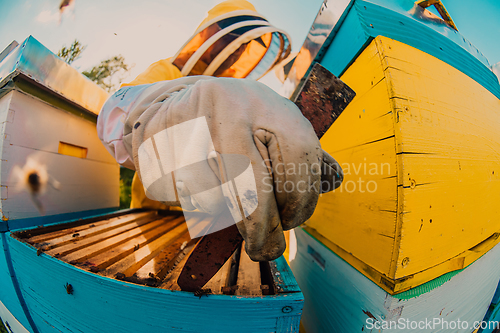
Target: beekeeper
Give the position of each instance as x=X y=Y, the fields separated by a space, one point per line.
x=201 y=135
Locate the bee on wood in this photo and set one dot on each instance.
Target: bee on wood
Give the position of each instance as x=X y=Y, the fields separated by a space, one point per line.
x=69 y=288
x=202 y=292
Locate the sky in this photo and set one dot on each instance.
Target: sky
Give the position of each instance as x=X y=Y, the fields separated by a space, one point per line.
x=142 y=31
x=149 y=30
x=479 y=22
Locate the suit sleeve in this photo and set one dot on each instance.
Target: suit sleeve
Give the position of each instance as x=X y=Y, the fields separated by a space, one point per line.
x=111 y=120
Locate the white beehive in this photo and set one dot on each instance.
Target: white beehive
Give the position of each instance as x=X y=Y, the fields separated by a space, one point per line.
x=48 y=113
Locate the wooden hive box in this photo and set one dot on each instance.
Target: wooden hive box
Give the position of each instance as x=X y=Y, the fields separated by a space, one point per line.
x=419 y=146
x=82 y=265
x=48 y=113
x=341 y=299
x=121 y=270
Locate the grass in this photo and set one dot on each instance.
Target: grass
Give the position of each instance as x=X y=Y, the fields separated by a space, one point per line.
x=126 y=176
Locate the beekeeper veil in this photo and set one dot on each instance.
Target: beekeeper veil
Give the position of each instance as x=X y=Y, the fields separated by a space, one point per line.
x=233 y=41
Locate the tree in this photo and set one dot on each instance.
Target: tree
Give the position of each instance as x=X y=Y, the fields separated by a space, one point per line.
x=72 y=53
x=109 y=73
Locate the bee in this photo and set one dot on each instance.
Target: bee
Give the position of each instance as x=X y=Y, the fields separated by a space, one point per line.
x=69 y=288
x=65 y=4
x=34 y=178
x=202 y=292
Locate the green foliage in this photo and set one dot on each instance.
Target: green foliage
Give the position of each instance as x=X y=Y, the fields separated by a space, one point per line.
x=109 y=73
x=73 y=52
x=126 y=176
x=2 y=327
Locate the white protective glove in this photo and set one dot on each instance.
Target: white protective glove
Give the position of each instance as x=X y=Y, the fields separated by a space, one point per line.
x=201 y=132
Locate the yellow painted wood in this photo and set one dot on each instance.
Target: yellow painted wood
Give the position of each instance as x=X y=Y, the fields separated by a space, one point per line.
x=394 y=286
x=72 y=150
x=449 y=123
x=362 y=141
x=437 y=204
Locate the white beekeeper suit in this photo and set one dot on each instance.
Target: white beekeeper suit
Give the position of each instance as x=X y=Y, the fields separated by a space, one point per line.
x=212 y=144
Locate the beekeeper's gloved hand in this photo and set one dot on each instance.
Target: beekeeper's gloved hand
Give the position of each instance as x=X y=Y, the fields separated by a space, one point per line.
x=188 y=136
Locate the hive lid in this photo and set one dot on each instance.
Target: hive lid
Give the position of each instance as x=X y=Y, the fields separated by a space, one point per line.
x=32 y=61
x=343 y=28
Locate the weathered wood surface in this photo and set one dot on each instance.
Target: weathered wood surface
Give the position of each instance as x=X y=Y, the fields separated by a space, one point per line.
x=146 y=248
x=209 y=255
x=115 y=305
x=323 y=98
x=91 y=246
x=170 y=281
x=219 y=280
x=249 y=279
x=59 y=236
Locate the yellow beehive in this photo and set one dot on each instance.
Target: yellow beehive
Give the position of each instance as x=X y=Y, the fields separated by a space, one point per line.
x=420 y=148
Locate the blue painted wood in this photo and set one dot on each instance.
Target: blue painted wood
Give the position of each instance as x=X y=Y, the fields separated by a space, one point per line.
x=349 y=41
x=10 y=322
x=491 y=320
x=13 y=225
x=341 y=299
x=496 y=297
x=99 y=304
x=288 y=324
x=10 y=293
x=393 y=19
x=283 y=277
x=413 y=27
x=336 y=293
